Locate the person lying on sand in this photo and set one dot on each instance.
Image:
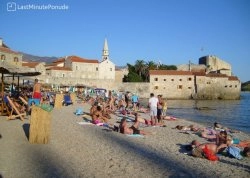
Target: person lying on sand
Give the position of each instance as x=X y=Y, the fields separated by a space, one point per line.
x=207 y=150
x=145 y=121
x=219 y=127
x=187 y=128
x=236 y=142
x=134 y=129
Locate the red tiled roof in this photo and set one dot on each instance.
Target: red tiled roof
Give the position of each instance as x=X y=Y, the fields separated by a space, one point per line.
x=199 y=73
x=169 y=72
x=30 y=64
x=59 y=60
x=7 y=50
x=216 y=75
x=59 y=68
x=233 y=78
x=78 y=59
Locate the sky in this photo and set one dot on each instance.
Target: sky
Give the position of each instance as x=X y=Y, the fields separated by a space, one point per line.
x=170 y=31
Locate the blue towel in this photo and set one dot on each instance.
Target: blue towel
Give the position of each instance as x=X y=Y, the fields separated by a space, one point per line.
x=134 y=135
x=79 y=111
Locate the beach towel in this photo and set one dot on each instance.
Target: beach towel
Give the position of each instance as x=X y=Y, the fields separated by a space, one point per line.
x=234 y=152
x=135 y=135
x=79 y=111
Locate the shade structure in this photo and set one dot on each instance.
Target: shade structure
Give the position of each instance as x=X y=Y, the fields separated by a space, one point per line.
x=13 y=70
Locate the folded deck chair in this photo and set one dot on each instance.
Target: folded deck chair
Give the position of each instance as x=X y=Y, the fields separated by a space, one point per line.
x=67 y=100
x=14 y=113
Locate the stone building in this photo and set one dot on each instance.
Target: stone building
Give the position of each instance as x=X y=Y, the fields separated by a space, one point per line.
x=216 y=65
x=210 y=79
x=9 y=56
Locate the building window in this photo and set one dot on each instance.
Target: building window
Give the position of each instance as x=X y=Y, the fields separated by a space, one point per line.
x=225 y=86
x=164 y=80
x=189 y=87
x=180 y=79
x=156 y=87
x=189 y=79
x=179 y=87
x=96 y=68
x=15 y=59
x=2 y=57
x=230 y=86
x=156 y=79
x=236 y=86
x=110 y=69
x=76 y=67
x=172 y=79
x=208 y=83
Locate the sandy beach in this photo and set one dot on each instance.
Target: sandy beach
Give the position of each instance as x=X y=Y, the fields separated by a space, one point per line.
x=76 y=150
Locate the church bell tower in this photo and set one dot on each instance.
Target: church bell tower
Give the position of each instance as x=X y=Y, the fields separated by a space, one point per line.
x=105 y=51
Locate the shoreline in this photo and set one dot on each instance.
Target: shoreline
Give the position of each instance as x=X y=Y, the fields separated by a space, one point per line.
x=91 y=151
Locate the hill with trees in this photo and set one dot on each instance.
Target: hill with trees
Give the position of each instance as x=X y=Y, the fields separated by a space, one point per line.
x=245 y=86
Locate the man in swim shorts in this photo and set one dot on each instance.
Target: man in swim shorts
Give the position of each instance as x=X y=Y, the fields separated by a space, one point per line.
x=37 y=90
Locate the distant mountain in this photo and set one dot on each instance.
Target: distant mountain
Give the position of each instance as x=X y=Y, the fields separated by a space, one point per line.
x=245 y=86
x=33 y=58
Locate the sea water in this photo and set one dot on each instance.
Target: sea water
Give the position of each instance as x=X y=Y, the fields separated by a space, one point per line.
x=234 y=114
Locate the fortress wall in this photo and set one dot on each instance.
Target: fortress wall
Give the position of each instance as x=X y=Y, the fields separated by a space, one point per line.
x=217 y=88
x=141 y=89
x=172 y=86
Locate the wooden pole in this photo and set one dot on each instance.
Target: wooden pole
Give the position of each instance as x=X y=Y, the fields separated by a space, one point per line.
x=2 y=95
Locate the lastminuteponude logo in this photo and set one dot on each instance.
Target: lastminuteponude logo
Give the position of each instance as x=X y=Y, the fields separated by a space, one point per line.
x=13 y=6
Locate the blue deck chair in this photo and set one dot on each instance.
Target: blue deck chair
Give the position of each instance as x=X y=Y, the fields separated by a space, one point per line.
x=67 y=100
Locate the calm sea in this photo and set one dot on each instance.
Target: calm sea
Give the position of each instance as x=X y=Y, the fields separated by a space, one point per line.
x=233 y=114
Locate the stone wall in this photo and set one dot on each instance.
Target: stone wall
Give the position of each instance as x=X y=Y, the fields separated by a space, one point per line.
x=217 y=88
x=172 y=86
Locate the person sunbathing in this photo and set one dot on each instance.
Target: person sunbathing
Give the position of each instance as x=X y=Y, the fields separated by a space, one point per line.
x=97 y=116
x=219 y=127
x=187 y=128
x=134 y=129
x=237 y=142
x=145 y=121
x=207 y=150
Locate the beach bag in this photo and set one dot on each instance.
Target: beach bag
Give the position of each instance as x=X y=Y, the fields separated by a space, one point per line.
x=234 y=152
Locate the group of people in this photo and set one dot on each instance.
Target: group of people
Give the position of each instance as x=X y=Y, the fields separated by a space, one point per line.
x=220 y=142
x=128 y=106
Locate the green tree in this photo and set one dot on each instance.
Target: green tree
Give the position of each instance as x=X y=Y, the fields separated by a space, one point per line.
x=140 y=67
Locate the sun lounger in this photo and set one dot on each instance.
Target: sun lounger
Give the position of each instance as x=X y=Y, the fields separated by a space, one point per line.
x=15 y=112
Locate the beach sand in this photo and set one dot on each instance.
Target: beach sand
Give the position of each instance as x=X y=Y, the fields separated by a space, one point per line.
x=76 y=150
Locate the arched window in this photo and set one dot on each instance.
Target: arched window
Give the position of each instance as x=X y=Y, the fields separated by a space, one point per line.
x=15 y=59
x=2 y=57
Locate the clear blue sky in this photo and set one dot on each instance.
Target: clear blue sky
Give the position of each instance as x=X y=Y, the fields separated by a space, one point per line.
x=172 y=31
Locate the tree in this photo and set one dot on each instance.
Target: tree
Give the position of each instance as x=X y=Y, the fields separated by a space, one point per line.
x=140 y=67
